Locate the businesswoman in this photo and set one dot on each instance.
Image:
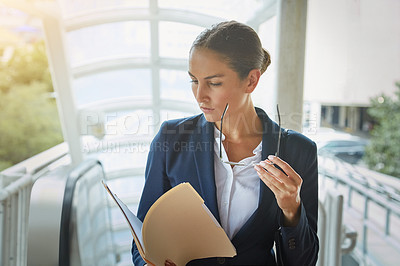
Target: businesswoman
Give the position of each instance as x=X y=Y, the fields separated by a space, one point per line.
x=227 y=154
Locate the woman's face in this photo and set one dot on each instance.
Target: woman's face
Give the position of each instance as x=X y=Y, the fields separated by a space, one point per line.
x=214 y=84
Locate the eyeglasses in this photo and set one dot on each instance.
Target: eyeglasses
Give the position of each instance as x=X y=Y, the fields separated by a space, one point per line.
x=244 y=164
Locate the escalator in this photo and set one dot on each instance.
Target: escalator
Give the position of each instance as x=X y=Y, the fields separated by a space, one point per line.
x=73 y=222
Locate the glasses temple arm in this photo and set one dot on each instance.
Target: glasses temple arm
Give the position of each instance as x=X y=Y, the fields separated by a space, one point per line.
x=220 y=132
x=279 y=133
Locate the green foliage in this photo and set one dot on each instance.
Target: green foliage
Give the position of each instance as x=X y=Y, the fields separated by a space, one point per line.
x=28 y=64
x=383 y=153
x=29 y=121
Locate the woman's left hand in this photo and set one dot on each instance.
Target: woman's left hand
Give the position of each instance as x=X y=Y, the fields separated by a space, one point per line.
x=286 y=187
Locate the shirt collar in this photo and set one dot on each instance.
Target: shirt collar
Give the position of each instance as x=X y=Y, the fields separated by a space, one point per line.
x=216 y=136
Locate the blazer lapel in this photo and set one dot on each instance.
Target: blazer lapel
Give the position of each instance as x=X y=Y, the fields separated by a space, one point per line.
x=267 y=198
x=269 y=146
x=204 y=161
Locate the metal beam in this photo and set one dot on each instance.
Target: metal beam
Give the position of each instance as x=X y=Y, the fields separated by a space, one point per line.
x=110 y=65
x=94 y=18
x=62 y=83
x=126 y=63
x=155 y=57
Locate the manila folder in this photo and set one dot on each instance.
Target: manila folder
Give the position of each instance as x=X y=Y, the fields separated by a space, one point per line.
x=180 y=227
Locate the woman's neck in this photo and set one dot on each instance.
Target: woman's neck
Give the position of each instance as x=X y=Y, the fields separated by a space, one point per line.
x=241 y=124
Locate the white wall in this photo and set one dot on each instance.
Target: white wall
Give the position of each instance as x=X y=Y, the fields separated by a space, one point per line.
x=352 y=50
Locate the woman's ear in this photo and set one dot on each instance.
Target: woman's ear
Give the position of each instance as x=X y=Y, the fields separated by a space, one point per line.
x=252 y=80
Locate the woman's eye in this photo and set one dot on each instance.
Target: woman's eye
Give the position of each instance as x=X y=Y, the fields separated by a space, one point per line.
x=215 y=84
x=194 y=81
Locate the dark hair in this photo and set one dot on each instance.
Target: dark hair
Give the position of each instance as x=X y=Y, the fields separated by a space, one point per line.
x=238 y=44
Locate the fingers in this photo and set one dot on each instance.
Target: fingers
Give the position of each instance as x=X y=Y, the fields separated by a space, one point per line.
x=273 y=169
x=169 y=262
x=274 y=178
x=284 y=184
x=289 y=171
x=274 y=183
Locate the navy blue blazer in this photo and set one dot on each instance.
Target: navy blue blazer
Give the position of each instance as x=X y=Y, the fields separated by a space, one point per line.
x=183 y=151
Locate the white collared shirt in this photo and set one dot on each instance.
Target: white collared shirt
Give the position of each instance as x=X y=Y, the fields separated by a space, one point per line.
x=238 y=188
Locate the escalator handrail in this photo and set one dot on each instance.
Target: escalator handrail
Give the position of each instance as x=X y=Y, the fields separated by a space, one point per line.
x=72 y=179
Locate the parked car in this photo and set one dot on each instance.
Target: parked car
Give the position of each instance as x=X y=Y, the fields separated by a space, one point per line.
x=345 y=146
x=350 y=150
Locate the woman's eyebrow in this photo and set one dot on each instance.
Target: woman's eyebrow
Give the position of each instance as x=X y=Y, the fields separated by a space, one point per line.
x=209 y=77
x=214 y=76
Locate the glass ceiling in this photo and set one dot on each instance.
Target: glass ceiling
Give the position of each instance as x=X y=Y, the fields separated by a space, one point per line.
x=126 y=72
x=76 y=7
x=125 y=57
x=139 y=49
x=240 y=10
x=230 y=9
x=108 y=41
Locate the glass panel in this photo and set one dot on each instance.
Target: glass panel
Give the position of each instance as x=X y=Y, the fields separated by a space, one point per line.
x=177 y=38
x=113 y=84
x=129 y=124
x=175 y=85
x=122 y=237
x=229 y=9
x=168 y=115
x=126 y=256
x=70 y=8
x=124 y=157
x=92 y=219
x=117 y=217
x=126 y=142
x=129 y=188
x=107 y=41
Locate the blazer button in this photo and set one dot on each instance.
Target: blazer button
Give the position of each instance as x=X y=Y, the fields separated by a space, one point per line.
x=292 y=243
x=221 y=260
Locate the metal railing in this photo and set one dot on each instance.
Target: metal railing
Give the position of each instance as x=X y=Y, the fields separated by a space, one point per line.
x=15 y=189
x=16 y=184
x=363 y=191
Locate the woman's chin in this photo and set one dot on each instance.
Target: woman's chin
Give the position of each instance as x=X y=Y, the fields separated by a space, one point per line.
x=211 y=118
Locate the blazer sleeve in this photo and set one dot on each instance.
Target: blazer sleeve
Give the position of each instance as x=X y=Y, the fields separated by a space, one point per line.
x=156 y=181
x=300 y=244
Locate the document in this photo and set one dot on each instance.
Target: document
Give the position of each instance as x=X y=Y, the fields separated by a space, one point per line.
x=179 y=227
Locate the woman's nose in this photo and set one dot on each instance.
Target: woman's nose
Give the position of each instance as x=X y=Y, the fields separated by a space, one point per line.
x=200 y=91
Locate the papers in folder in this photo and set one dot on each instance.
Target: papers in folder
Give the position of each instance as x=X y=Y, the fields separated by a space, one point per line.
x=179 y=227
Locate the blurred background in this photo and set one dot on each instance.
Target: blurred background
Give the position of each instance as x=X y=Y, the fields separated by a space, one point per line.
x=85 y=85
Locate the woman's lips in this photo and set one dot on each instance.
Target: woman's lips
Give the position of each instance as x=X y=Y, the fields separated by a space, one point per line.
x=206 y=110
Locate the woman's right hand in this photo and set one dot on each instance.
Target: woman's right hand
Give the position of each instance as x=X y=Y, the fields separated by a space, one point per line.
x=169 y=262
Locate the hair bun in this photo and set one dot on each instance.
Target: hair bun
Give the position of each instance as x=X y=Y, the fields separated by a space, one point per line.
x=266 y=62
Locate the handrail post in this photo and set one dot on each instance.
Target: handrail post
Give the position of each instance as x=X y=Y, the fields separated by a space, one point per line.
x=365 y=227
x=387 y=225
x=349 y=197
